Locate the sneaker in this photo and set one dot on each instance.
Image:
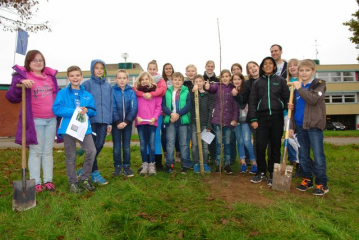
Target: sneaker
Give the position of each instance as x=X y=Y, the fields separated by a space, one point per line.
x=243 y=168
x=320 y=190
x=97 y=178
x=305 y=185
x=254 y=169
x=169 y=169
x=39 y=188
x=270 y=180
x=197 y=168
x=184 y=170
x=49 y=186
x=259 y=178
x=207 y=169
x=117 y=171
x=144 y=169
x=79 y=172
x=151 y=169
x=86 y=184
x=74 y=188
x=128 y=172
x=228 y=169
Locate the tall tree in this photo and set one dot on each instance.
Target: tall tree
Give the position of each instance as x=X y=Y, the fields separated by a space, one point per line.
x=19 y=13
x=353 y=25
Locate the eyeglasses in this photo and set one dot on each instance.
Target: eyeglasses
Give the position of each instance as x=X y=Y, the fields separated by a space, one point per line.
x=37 y=61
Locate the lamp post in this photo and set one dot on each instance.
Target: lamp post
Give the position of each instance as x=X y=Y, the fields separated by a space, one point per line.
x=125 y=56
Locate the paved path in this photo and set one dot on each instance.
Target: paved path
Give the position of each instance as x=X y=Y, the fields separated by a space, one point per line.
x=9 y=142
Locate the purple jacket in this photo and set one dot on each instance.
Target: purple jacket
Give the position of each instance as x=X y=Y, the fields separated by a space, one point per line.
x=13 y=95
x=230 y=106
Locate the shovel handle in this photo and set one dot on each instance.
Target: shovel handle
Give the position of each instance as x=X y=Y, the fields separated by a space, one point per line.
x=23 y=135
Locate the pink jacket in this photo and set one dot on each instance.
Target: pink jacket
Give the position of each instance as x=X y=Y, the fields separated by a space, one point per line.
x=160 y=90
x=148 y=109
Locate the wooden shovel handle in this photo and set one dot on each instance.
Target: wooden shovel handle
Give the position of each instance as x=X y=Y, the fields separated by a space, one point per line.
x=23 y=135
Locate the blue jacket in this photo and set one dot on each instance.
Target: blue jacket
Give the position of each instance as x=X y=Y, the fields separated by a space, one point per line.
x=124 y=105
x=64 y=106
x=102 y=93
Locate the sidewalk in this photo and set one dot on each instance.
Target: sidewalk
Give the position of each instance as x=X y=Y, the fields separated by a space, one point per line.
x=9 y=142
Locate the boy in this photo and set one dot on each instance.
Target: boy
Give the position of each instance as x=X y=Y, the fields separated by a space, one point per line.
x=101 y=91
x=67 y=100
x=309 y=122
x=176 y=105
x=205 y=101
x=124 y=113
x=267 y=100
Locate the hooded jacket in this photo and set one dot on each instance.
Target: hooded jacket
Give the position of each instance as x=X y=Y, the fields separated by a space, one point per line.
x=101 y=91
x=14 y=95
x=269 y=94
x=124 y=105
x=64 y=107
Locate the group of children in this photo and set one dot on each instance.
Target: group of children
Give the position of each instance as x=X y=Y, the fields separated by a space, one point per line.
x=229 y=106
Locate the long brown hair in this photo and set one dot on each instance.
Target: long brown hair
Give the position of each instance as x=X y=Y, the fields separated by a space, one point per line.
x=31 y=56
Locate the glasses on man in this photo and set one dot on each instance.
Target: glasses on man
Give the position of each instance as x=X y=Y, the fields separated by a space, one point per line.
x=37 y=60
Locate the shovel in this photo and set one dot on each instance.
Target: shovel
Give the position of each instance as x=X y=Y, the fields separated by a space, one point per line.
x=282 y=174
x=198 y=126
x=24 y=196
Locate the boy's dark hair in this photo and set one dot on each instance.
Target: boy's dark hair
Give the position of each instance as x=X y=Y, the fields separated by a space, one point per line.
x=73 y=68
x=238 y=65
x=178 y=74
x=163 y=71
x=280 y=47
x=31 y=56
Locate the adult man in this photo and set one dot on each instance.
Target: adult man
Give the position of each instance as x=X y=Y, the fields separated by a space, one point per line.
x=276 y=53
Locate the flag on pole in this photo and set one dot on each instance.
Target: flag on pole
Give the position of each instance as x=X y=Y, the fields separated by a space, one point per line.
x=22 y=37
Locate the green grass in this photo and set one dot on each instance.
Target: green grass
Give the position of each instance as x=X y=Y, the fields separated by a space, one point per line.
x=180 y=206
x=346 y=133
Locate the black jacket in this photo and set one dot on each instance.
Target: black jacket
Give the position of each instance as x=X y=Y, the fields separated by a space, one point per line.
x=211 y=79
x=269 y=95
x=243 y=97
x=284 y=73
x=206 y=104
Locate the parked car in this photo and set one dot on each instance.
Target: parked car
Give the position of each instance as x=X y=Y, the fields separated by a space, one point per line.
x=335 y=126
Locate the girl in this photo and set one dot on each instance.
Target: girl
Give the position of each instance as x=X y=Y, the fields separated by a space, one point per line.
x=159 y=91
x=41 y=89
x=225 y=116
x=149 y=110
x=167 y=73
x=242 y=130
x=124 y=113
x=236 y=68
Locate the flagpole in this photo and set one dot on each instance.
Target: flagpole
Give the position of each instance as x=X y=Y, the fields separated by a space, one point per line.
x=16 y=35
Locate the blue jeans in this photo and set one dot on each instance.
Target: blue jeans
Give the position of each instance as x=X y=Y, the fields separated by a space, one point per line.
x=125 y=136
x=243 y=135
x=226 y=141
x=195 y=150
x=99 y=140
x=147 y=134
x=173 y=130
x=41 y=154
x=312 y=138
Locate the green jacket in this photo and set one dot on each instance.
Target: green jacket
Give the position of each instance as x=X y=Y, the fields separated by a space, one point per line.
x=183 y=105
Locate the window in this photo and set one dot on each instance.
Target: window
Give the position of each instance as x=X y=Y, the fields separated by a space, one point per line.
x=349 y=98
x=341 y=98
x=348 y=76
x=337 y=98
x=337 y=76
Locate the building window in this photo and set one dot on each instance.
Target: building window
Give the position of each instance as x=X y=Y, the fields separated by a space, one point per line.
x=349 y=98
x=341 y=98
x=336 y=76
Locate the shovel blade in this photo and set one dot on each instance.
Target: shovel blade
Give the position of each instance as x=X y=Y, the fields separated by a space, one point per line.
x=24 y=198
x=282 y=179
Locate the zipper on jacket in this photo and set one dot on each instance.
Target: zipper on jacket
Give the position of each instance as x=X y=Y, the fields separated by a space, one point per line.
x=123 y=106
x=270 y=110
x=101 y=99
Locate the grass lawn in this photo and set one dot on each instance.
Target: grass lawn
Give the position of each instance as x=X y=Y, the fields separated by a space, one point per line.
x=184 y=206
x=346 y=133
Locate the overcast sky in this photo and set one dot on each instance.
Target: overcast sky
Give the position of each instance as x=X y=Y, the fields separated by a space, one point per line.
x=185 y=32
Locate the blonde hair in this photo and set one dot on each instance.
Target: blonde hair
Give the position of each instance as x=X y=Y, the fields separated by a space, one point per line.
x=191 y=66
x=141 y=76
x=152 y=62
x=210 y=61
x=295 y=61
x=247 y=68
x=307 y=63
x=121 y=71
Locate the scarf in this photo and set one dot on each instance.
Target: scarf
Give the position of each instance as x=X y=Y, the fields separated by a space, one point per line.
x=146 y=89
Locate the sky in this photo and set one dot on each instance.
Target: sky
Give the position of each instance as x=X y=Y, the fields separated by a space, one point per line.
x=185 y=32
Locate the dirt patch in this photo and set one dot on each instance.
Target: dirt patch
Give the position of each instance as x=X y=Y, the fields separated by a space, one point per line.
x=234 y=188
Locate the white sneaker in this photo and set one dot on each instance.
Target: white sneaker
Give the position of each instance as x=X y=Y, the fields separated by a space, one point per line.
x=151 y=169
x=144 y=170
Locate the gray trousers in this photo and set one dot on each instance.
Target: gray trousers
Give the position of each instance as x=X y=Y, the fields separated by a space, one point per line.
x=70 y=151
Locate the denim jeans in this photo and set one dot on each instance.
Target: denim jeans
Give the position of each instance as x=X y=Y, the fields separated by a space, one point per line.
x=312 y=138
x=163 y=140
x=41 y=154
x=243 y=135
x=226 y=141
x=147 y=134
x=121 y=139
x=172 y=131
x=99 y=140
x=195 y=150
